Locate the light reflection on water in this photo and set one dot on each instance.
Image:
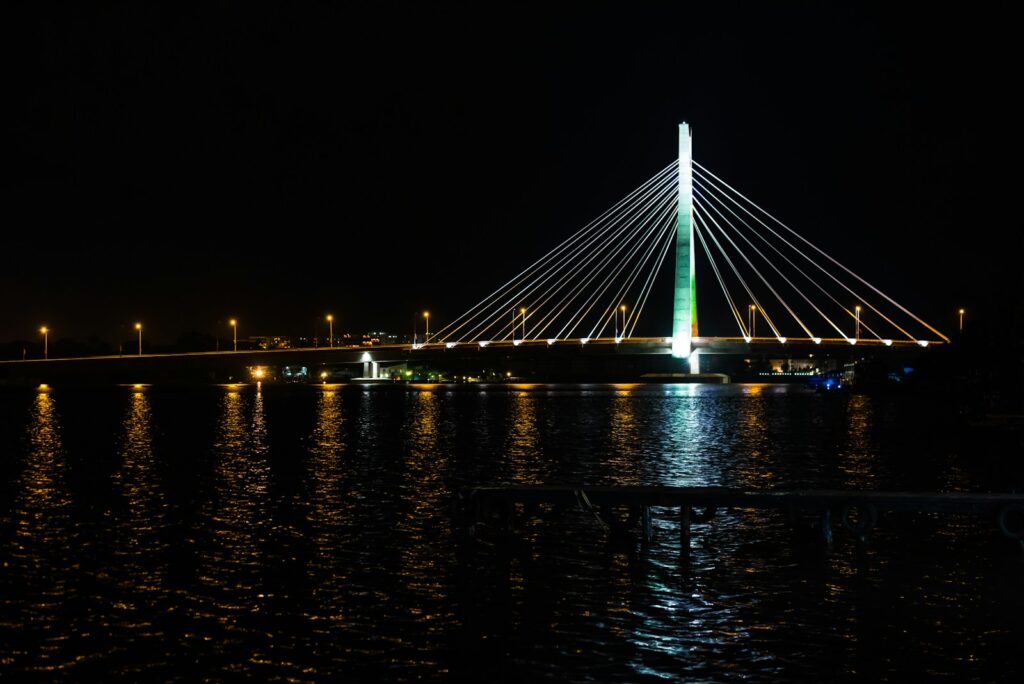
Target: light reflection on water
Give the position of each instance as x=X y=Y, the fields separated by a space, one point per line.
x=41 y=552
x=329 y=503
x=307 y=535
x=138 y=545
x=234 y=524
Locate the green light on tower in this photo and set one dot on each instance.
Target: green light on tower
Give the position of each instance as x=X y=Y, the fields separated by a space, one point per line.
x=684 y=310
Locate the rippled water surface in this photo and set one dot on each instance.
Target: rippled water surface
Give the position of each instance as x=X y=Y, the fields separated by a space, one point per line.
x=306 y=533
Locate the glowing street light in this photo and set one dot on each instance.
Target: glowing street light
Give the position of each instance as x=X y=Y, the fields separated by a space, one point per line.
x=752 y=321
x=234 y=331
x=46 y=341
x=426 y=335
x=621 y=310
x=330 y=322
x=522 y=312
x=856 y=334
x=138 y=326
x=962 y=312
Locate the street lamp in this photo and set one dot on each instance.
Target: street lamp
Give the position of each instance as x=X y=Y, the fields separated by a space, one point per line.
x=856 y=334
x=330 y=322
x=138 y=326
x=522 y=312
x=46 y=341
x=426 y=336
x=752 y=321
x=961 y=312
x=234 y=331
x=622 y=310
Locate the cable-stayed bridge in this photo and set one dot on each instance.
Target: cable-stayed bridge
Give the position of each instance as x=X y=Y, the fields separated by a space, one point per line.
x=782 y=292
x=778 y=286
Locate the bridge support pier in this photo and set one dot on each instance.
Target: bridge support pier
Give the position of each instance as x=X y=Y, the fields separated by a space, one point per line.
x=694 y=361
x=684 y=309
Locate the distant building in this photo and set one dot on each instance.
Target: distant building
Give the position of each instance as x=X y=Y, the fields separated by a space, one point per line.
x=374 y=338
x=270 y=342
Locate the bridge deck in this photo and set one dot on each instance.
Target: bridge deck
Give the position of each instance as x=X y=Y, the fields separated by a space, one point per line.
x=391 y=352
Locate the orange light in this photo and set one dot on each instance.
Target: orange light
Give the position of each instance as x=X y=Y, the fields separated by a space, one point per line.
x=232 y=322
x=45 y=330
x=330 y=318
x=138 y=326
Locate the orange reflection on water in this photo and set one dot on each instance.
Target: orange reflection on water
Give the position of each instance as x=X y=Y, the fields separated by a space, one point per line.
x=624 y=459
x=40 y=552
x=330 y=509
x=858 y=455
x=423 y=517
x=756 y=441
x=523 y=449
x=42 y=478
x=136 y=475
x=754 y=389
x=140 y=571
x=236 y=513
x=623 y=389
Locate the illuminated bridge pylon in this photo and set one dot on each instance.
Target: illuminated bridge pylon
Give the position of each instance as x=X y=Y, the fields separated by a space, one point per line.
x=778 y=286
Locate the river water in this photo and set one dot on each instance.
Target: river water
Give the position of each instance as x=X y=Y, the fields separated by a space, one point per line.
x=306 y=534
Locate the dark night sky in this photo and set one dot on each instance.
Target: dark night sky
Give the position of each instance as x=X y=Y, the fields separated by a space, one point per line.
x=274 y=162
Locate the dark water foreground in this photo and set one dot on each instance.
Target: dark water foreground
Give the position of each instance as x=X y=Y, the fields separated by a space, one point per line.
x=305 y=534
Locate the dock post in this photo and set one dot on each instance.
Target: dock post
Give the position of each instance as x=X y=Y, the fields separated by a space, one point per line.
x=826 y=527
x=684 y=530
x=645 y=525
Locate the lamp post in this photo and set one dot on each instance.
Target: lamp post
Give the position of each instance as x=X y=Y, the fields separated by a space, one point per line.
x=622 y=310
x=426 y=335
x=752 y=321
x=234 y=333
x=138 y=326
x=856 y=334
x=46 y=341
x=961 y=312
x=330 y=323
x=522 y=312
